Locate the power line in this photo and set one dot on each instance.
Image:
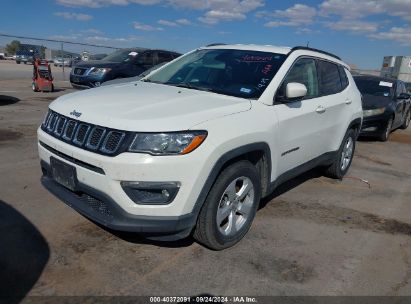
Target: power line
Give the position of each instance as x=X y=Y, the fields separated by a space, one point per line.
x=60 y=41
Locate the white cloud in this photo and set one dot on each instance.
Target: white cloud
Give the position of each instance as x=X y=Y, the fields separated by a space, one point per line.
x=297 y=15
x=75 y=16
x=398 y=34
x=354 y=26
x=146 y=27
x=183 y=21
x=174 y=23
x=354 y=9
x=101 y=3
x=167 y=23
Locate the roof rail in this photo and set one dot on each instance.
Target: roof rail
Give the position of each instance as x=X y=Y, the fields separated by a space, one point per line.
x=314 y=50
x=215 y=44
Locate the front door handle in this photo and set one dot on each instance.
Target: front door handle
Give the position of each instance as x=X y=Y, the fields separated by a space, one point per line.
x=320 y=109
x=348 y=101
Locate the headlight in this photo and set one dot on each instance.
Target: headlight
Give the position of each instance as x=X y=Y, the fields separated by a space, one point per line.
x=373 y=112
x=99 y=71
x=167 y=143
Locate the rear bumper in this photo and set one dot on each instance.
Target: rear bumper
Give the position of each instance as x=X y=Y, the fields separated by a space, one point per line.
x=100 y=208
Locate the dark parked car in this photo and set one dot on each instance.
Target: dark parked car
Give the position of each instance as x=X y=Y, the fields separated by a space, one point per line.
x=26 y=57
x=386 y=105
x=123 y=63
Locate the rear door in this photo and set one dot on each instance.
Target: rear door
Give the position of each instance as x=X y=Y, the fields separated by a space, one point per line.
x=400 y=104
x=335 y=101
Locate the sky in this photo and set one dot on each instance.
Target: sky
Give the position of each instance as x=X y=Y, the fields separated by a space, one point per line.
x=361 y=32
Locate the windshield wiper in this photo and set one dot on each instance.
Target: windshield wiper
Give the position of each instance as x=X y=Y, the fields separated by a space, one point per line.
x=190 y=86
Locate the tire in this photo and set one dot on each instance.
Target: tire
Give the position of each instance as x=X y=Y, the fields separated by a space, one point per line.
x=34 y=87
x=406 y=121
x=234 y=211
x=18 y=62
x=52 y=88
x=386 y=134
x=343 y=160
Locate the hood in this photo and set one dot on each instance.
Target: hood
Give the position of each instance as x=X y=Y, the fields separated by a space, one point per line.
x=97 y=64
x=147 y=107
x=370 y=102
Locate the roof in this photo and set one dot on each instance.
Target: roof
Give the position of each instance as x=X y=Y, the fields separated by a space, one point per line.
x=252 y=47
x=278 y=50
x=376 y=78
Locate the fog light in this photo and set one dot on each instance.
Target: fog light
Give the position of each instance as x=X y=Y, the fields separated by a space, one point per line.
x=151 y=193
x=370 y=129
x=97 y=84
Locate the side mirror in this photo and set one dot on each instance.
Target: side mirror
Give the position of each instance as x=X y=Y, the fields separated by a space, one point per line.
x=404 y=96
x=295 y=90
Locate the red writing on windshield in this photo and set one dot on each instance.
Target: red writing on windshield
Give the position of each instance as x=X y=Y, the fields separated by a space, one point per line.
x=249 y=58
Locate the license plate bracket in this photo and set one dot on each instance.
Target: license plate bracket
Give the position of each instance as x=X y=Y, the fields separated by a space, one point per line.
x=64 y=174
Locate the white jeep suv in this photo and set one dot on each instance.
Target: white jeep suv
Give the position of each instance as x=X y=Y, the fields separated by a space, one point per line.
x=195 y=145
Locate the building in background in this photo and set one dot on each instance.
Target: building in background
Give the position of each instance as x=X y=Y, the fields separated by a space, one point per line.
x=398 y=67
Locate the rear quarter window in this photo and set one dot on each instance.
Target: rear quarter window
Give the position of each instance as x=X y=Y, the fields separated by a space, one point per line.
x=343 y=76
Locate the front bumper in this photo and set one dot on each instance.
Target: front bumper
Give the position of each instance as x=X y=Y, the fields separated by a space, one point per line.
x=374 y=125
x=86 y=81
x=101 y=209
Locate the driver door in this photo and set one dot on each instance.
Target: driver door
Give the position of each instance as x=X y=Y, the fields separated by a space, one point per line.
x=300 y=129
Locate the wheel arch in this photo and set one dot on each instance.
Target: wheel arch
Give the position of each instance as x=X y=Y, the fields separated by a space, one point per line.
x=258 y=154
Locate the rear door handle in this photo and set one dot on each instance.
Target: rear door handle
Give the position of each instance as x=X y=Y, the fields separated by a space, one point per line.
x=320 y=109
x=348 y=101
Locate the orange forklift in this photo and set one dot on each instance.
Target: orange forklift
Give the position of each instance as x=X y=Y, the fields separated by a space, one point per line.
x=42 y=77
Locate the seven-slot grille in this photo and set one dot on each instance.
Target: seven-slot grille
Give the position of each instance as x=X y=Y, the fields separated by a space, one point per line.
x=84 y=135
x=79 y=71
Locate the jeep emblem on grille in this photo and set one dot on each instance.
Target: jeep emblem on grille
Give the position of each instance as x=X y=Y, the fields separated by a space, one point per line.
x=74 y=113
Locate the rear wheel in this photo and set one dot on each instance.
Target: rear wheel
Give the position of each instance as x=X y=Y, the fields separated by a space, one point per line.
x=345 y=154
x=407 y=120
x=386 y=134
x=230 y=207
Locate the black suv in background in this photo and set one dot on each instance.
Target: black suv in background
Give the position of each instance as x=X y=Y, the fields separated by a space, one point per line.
x=386 y=105
x=123 y=63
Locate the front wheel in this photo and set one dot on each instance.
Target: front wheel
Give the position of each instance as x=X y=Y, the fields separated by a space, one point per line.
x=386 y=134
x=343 y=159
x=34 y=87
x=230 y=207
x=407 y=120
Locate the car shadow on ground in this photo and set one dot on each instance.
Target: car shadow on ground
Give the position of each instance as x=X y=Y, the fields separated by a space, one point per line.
x=136 y=238
x=188 y=241
x=8 y=100
x=291 y=184
x=24 y=253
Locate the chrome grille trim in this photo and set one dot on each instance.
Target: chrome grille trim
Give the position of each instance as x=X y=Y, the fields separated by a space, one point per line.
x=86 y=136
x=69 y=136
x=61 y=121
x=106 y=140
x=95 y=146
x=80 y=141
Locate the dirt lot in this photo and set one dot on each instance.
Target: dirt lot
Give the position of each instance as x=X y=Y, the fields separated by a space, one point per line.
x=314 y=236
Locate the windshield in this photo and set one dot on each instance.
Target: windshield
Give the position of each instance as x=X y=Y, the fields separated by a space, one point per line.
x=120 y=55
x=374 y=87
x=239 y=73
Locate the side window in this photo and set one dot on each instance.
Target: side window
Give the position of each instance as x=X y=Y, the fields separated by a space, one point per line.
x=343 y=76
x=164 y=57
x=330 y=82
x=303 y=71
x=145 y=58
x=398 y=89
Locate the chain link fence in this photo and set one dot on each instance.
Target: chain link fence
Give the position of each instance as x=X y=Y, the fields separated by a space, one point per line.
x=61 y=54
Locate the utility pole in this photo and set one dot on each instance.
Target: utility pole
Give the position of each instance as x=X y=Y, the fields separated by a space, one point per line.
x=62 y=58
